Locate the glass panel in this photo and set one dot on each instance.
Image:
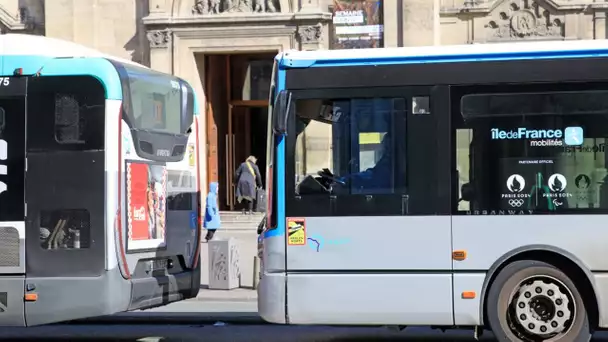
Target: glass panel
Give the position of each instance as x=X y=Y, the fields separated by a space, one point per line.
x=69 y=123
x=554 y=162
x=250 y=77
x=158 y=102
x=345 y=146
x=65 y=229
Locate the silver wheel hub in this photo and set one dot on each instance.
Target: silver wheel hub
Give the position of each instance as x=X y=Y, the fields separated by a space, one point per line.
x=541 y=308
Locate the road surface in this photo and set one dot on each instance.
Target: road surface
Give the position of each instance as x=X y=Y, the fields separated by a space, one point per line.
x=234 y=332
x=221 y=321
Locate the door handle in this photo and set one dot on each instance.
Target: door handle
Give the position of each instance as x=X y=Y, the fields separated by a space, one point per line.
x=233 y=152
x=405 y=204
x=228 y=171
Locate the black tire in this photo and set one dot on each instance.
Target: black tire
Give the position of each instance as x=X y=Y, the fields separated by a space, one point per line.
x=508 y=327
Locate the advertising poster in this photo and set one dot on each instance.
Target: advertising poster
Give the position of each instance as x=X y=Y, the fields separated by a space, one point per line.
x=357 y=24
x=146 y=203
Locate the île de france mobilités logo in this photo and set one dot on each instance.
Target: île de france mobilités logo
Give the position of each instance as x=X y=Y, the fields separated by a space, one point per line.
x=570 y=136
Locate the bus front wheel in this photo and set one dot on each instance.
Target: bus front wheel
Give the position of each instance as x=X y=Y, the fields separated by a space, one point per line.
x=534 y=301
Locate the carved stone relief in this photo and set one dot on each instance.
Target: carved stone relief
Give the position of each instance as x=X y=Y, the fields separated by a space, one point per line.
x=159 y=38
x=524 y=19
x=205 y=7
x=310 y=34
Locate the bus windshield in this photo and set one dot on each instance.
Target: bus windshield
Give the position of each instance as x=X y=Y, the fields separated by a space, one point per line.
x=159 y=102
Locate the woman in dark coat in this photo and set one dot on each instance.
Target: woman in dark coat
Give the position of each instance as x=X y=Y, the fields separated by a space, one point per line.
x=247 y=178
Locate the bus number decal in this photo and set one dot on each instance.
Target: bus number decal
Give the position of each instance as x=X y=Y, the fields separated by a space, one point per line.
x=5 y=81
x=296 y=231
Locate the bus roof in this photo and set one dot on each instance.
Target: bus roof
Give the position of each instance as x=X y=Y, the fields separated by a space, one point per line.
x=52 y=56
x=46 y=48
x=445 y=53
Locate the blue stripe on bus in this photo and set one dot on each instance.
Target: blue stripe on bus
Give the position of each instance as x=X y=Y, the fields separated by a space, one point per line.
x=280 y=172
x=97 y=67
x=395 y=60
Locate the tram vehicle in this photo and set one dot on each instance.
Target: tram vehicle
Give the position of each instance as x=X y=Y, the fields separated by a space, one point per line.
x=99 y=184
x=449 y=186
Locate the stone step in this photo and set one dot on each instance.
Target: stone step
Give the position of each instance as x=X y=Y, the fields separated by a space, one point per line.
x=239 y=217
x=235 y=220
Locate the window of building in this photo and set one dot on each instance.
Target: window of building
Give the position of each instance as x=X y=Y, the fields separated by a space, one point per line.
x=250 y=77
x=347 y=146
x=532 y=149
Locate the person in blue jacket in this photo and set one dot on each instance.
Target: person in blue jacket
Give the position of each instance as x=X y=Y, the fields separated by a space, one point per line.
x=212 y=213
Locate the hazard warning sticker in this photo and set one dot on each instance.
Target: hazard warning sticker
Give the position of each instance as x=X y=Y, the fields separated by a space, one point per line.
x=296 y=231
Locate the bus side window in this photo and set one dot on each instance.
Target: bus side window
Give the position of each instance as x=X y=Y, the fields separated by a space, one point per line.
x=464 y=137
x=68 y=120
x=353 y=139
x=77 y=104
x=2 y=120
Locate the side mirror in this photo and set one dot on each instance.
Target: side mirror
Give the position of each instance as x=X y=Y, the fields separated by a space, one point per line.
x=467 y=192
x=280 y=112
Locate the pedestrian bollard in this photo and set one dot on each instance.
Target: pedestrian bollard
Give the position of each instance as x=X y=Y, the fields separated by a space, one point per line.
x=224 y=264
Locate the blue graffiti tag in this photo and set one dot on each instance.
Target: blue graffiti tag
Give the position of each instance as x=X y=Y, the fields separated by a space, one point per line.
x=193 y=220
x=315 y=242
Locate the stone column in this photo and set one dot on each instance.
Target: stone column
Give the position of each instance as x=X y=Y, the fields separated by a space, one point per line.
x=418 y=22
x=158 y=7
x=161 y=44
x=599 y=25
x=313 y=6
x=311 y=36
x=390 y=23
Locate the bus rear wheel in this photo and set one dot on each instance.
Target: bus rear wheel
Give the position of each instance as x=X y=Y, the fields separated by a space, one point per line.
x=534 y=301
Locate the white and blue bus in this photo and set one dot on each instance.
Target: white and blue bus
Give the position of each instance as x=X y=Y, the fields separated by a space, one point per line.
x=452 y=186
x=99 y=184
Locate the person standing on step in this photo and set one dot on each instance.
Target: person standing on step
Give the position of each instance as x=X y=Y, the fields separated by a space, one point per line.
x=247 y=178
x=212 y=213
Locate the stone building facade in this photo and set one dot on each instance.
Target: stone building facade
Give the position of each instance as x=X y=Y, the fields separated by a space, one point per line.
x=195 y=39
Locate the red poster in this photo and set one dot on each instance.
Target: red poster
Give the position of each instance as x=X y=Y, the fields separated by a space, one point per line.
x=138 y=207
x=146 y=200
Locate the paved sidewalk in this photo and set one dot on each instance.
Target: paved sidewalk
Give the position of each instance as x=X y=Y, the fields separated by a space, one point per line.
x=236 y=295
x=236 y=307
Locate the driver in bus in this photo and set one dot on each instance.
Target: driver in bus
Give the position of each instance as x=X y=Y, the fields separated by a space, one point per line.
x=377 y=178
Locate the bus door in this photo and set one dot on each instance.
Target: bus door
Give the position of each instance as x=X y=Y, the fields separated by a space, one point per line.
x=64 y=192
x=361 y=204
x=12 y=230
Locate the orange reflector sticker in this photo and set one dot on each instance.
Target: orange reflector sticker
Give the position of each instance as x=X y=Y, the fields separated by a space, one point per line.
x=459 y=255
x=31 y=297
x=468 y=295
